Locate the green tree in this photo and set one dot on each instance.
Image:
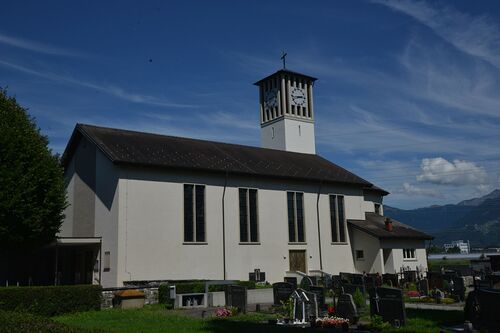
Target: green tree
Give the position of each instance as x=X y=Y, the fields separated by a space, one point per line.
x=454 y=249
x=32 y=190
x=434 y=249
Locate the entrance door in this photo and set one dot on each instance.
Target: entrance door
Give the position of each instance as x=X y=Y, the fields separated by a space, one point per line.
x=298 y=260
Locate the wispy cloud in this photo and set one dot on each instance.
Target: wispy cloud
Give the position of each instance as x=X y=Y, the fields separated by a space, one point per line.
x=107 y=89
x=478 y=36
x=38 y=47
x=456 y=173
x=412 y=190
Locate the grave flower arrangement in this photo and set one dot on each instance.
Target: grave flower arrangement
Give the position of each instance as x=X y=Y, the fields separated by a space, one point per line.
x=223 y=313
x=413 y=293
x=331 y=322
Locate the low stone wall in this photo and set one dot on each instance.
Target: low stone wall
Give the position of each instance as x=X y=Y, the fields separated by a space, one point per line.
x=150 y=294
x=254 y=296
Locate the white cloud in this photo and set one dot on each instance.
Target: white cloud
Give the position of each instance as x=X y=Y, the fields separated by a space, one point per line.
x=413 y=190
x=478 y=36
x=107 y=89
x=456 y=173
x=36 y=46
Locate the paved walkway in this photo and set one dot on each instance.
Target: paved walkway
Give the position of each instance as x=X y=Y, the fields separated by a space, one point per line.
x=427 y=306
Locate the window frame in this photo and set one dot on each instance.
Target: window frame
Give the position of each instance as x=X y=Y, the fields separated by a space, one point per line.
x=194 y=222
x=362 y=257
x=337 y=220
x=249 y=227
x=296 y=225
x=412 y=254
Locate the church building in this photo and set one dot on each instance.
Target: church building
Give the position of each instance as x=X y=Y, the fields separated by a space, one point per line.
x=150 y=207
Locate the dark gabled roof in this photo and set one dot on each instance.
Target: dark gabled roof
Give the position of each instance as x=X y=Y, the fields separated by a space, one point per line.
x=375 y=188
x=154 y=150
x=286 y=71
x=375 y=226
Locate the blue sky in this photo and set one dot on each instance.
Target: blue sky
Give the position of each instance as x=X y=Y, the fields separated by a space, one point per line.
x=408 y=95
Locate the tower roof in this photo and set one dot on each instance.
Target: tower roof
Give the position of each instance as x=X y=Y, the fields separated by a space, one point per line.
x=286 y=71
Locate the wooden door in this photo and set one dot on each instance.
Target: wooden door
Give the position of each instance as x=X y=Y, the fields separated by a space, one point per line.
x=298 y=261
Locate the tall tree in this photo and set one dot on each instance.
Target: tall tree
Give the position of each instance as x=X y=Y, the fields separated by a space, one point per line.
x=32 y=191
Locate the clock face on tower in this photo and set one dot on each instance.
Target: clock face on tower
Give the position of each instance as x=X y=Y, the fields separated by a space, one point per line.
x=298 y=96
x=271 y=98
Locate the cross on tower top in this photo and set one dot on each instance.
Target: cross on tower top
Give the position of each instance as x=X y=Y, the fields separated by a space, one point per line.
x=283 y=57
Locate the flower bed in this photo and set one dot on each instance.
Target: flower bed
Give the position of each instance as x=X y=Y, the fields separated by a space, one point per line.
x=331 y=322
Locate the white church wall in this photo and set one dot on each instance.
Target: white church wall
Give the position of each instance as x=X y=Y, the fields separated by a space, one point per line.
x=398 y=260
x=372 y=261
x=151 y=228
x=67 y=225
x=107 y=216
x=272 y=135
x=299 y=136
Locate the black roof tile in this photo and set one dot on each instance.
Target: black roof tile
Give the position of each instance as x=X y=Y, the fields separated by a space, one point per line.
x=374 y=225
x=146 y=149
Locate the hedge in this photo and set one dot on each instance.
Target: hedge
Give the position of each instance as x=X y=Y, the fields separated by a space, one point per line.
x=194 y=287
x=14 y=322
x=51 y=300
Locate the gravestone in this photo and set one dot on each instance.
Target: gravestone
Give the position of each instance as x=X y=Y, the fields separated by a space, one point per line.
x=305 y=305
x=388 y=303
x=489 y=311
x=390 y=279
x=423 y=287
x=345 y=277
x=346 y=308
x=292 y=280
x=282 y=292
x=435 y=280
x=236 y=296
x=320 y=294
x=459 y=288
x=306 y=283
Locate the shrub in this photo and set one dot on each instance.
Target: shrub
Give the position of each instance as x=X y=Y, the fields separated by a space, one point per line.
x=14 y=322
x=377 y=323
x=51 y=300
x=358 y=298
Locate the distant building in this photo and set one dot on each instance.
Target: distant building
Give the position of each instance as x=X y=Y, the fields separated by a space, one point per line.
x=463 y=246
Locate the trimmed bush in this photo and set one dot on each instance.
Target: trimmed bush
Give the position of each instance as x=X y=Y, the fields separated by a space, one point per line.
x=51 y=300
x=14 y=322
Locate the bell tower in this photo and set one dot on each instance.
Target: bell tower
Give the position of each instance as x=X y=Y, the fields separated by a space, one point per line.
x=286 y=112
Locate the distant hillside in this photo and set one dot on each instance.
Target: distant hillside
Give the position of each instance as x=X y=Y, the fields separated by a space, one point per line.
x=477 y=220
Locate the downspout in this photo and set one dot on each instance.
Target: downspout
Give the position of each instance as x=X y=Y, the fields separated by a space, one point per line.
x=224 y=228
x=319 y=229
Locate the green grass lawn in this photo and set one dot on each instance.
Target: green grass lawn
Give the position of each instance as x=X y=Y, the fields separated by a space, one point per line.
x=157 y=319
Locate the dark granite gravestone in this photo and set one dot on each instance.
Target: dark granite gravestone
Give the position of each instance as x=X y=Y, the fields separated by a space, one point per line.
x=292 y=280
x=482 y=309
x=282 y=292
x=390 y=279
x=389 y=304
x=410 y=276
x=320 y=294
x=459 y=288
x=306 y=283
x=305 y=305
x=236 y=296
x=346 y=308
x=435 y=280
x=345 y=277
x=423 y=287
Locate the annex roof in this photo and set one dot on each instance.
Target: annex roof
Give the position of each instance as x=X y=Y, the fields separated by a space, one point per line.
x=374 y=225
x=154 y=150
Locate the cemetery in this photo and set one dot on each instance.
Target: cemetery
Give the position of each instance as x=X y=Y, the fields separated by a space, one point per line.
x=343 y=303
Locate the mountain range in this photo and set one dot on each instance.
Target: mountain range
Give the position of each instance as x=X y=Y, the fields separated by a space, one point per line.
x=476 y=220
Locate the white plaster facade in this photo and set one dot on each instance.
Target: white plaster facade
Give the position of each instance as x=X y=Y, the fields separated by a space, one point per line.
x=289 y=134
x=138 y=212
